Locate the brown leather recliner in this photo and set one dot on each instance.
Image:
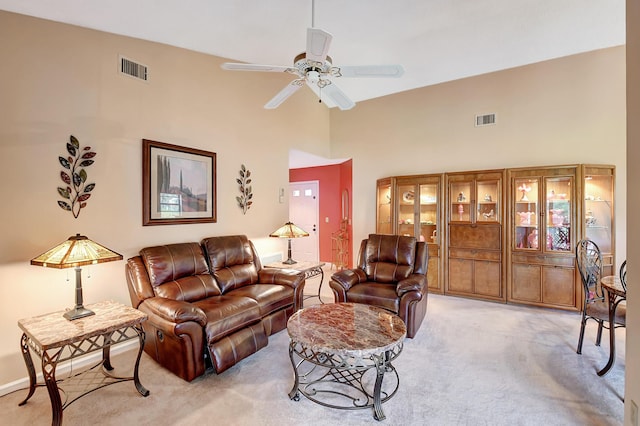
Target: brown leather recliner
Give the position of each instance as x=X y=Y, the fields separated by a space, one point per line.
x=392 y=274
x=210 y=303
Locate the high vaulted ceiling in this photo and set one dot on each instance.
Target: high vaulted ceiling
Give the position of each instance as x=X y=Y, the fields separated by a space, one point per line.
x=435 y=40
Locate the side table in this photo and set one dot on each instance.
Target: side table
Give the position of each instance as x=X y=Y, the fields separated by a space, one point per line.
x=310 y=269
x=55 y=339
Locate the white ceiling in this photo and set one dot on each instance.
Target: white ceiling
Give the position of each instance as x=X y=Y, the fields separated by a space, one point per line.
x=435 y=40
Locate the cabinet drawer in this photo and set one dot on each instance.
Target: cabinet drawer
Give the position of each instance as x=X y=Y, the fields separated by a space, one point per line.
x=434 y=250
x=475 y=254
x=475 y=236
x=530 y=259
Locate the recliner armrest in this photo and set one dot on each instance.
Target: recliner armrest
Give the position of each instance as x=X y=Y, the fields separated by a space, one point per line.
x=175 y=311
x=415 y=282
x=289 y=277
x=347 y=278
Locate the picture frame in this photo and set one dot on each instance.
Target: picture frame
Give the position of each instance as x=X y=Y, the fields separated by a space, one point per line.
x=178 y=184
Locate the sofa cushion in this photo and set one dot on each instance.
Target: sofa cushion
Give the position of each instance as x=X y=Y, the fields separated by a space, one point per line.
x=179 y=271
x=227 y=314
x=389 y=258
x=231 y=260
x=270 y=297
x=370 y=293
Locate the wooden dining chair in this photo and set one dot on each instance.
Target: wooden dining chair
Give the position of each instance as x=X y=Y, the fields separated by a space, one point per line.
x=595 y=306
x=623 y=275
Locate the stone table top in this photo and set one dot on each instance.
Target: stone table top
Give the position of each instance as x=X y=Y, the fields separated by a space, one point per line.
x=346 y=329
x=53 y=330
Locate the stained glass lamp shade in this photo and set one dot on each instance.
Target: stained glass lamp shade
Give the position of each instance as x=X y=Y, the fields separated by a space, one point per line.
x=289 y=230
x=76 y=252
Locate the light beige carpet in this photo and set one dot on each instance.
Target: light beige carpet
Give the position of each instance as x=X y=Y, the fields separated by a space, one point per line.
x=472 y=363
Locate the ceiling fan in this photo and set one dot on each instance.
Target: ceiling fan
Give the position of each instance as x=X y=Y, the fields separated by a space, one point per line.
x=315 y=68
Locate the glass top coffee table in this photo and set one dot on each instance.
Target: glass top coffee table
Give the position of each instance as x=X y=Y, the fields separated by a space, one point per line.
x=340 y=353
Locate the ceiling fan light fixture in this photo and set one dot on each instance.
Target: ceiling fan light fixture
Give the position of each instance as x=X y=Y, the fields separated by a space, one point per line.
x=314 y=67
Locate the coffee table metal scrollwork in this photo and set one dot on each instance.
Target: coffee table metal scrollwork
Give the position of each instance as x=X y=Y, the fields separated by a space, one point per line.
x=342 y=352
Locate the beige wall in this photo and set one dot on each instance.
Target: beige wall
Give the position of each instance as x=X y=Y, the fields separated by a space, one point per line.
x=57 y=80
x=632 y=377
x=570 y=110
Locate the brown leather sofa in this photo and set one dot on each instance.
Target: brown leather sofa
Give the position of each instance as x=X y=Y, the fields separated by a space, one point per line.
x=391 y=273
x=209 y=304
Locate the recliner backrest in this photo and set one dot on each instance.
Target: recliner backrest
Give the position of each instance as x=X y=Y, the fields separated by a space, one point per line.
x=388 y=258
x=179 y=272
x=233 y=261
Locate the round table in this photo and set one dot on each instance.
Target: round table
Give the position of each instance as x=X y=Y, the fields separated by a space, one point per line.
x=616 y=293
x=340 y=353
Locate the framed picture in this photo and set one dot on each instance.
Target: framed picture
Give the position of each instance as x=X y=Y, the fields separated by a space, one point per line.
x=178 y=184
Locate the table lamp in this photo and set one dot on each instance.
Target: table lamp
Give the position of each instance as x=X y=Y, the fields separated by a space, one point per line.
x=75 y=252
x=289 y=230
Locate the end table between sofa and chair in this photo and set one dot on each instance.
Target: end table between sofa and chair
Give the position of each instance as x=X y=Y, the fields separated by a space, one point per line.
x=55 y=339
x=310 y=269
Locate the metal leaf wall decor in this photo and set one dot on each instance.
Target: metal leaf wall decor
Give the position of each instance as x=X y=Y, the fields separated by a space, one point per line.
x=244 y=200
x=77 y=191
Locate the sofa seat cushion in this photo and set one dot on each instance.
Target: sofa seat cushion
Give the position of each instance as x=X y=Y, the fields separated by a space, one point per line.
x=371 y=293
x=228 y=314
x=270 y=297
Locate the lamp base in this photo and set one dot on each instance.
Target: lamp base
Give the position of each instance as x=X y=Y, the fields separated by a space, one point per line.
x=77 y=313
x=289 y=261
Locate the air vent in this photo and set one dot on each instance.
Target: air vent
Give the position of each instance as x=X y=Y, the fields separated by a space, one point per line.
x=485 y=120
x=133 y=69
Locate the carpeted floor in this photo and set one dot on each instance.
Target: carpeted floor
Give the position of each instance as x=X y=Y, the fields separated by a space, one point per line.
x=472 y=363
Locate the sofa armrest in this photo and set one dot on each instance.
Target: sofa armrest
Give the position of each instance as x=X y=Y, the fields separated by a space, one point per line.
x=290 y=277
x=175 y=311
x=415 y=282
x=347 y=278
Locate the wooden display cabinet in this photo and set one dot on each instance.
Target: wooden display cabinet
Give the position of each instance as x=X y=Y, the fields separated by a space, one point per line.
x=475 y=236
x=516 y=245
x=415 y=210
x=598 y=223
x=543 y=234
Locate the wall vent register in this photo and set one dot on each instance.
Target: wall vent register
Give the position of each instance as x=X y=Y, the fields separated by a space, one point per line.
x=485 y=120
x=133 y=69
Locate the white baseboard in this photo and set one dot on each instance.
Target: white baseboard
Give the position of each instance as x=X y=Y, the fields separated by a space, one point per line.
x=66 y=367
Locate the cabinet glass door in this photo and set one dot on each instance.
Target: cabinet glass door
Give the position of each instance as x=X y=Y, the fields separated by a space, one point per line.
x=429 y=213
x=558 y=213
x=460 y=205
x=384 y=208
x=598 y=210
x=526 y=214
x=406 y=209
x=487 y=196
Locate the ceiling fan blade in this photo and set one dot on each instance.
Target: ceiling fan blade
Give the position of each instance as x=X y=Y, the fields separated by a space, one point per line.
x=337 y=96
x=253 y=67
x=282 y=96
x=371 y=71
x=318 y=42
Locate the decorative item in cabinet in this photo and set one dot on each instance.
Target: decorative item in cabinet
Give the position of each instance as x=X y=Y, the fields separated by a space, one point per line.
x=598 y=223
x=541 y=267
x=384 y=213
x=527 y=211
x=474 y=261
